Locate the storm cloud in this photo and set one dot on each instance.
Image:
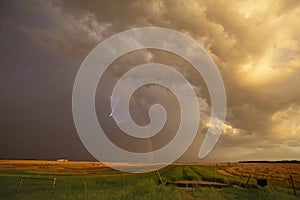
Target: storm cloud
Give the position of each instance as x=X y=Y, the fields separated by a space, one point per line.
x=256 y=46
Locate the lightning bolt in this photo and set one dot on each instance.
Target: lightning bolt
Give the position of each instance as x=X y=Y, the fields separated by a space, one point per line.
x=113 y=110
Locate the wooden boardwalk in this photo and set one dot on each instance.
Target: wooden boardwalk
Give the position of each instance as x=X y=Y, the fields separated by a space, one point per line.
x=195 y=183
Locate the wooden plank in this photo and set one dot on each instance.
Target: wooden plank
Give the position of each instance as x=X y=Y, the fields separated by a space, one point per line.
x=191 y=184
x=39 y=178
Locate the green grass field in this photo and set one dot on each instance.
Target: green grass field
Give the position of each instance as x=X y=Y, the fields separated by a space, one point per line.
x=105 y=183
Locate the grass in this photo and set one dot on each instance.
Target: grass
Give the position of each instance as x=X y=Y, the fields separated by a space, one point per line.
x=106 y=183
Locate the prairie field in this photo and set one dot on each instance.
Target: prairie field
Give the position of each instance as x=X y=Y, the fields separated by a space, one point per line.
x=277 y=172
x=31 y=179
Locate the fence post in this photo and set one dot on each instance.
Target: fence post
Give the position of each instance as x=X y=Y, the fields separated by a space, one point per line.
x=19 y=185
x=121 y=178
x=85 y=190
x=248 y=180
x=241 y=176
x=293 y=185
x=160 y=179
x=53 y=183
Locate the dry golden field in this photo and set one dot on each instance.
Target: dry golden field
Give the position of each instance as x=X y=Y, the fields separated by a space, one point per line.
x=44 y=166
x=278 y=172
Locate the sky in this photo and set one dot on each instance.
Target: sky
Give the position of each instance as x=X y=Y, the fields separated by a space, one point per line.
x=255 y=44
